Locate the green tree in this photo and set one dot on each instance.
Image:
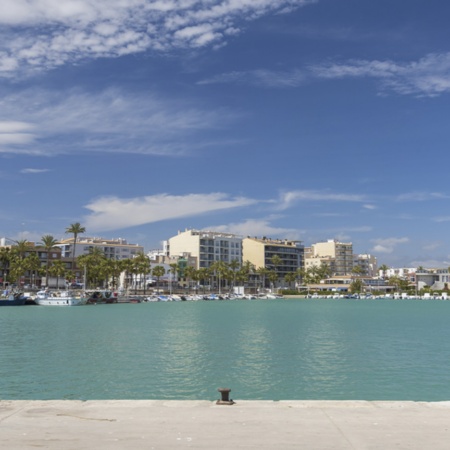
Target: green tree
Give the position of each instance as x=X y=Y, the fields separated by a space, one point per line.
x=173 y=272
x=75 y=229
x=272 y=275
x=92 y=263
x=5 y=260
x=384 y=268
x=48 y=242
x=58 y=270
x=203 y=275
x=262 y=272
x=221 y=270
x=34 y=267
x=189 y=274
x=356 y=286
x=158 y=272
x=290 y=278
x=142 y=268
x=113 y=269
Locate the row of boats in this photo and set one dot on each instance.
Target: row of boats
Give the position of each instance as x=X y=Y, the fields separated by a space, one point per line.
x=72 y=298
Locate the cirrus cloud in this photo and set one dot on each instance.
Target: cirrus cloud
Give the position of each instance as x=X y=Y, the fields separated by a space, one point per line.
x=387 y=245
x=114 y=213
x=43 y=34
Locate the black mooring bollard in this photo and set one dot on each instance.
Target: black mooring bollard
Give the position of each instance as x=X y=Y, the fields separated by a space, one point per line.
x=225 y=400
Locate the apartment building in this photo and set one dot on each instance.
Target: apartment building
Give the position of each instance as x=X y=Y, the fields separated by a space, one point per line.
x=206 y=246
x=111 y=248
x=367 y=263
x=260 y=252
x=338 y=255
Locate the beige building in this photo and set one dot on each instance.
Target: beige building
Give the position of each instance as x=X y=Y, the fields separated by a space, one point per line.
x=111 y=248
x=338 y=255
x=206 y=246
x=260 y=251
x=367 y=263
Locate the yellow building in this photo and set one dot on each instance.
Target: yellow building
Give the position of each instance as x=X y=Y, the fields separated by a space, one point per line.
x=260 y=252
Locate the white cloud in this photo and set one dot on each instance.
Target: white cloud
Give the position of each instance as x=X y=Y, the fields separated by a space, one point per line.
x=34 y=170
x=109 y=121
x=422 y=196
x=429 y=76
x=42 y=34
x=387 y=245
x=441 y=219
x=260 y=77
x=258 y=227
x=289 y=198
x=113 y=213
x=15 y=132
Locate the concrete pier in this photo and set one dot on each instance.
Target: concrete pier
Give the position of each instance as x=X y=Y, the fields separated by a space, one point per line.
x=154 y=424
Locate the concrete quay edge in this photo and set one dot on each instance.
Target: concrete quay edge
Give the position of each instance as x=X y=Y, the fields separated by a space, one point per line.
x=161 y=424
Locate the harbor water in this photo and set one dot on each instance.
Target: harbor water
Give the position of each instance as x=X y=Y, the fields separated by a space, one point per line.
x=280 y=349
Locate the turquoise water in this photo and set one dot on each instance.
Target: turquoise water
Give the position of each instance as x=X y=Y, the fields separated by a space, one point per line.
x=263 y=349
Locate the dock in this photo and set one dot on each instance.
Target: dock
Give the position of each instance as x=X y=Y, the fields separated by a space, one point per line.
x=159 y=424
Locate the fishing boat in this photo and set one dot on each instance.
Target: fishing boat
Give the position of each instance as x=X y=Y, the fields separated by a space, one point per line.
x=65 y=298
x=14 y=299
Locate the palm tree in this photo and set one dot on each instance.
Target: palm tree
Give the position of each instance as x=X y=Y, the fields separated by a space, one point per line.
x=189 y=273
x=58 y=269
x=173 y=271
x=290 y=278
x=276 y=262
x=220 y=269
x=262 y=272
x=92 y=263
x=75 y=229
x=48 y=242
x=202 y=275
x=158 y=272
x=34 y=266
x=142 y=267
x=114 y=268
x=384 y=268
x=21 y=247
x=5 y=260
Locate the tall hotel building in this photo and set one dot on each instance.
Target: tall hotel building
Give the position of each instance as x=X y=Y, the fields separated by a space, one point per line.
x=206 y=246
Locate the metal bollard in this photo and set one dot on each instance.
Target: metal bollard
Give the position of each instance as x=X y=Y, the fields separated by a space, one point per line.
x=225 y=400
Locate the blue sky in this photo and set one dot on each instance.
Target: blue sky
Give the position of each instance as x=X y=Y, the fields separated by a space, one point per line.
x=297 y=119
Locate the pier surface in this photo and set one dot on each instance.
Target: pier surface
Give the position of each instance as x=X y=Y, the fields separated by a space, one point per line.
x=158 y=424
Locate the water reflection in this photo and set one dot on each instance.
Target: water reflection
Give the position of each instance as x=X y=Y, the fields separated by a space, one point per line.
x=261 y=350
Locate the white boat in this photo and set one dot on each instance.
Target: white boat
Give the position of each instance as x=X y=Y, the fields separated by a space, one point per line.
x=65 y=298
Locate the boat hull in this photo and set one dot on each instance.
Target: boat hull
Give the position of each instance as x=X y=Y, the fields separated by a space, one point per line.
x=59 y=301
x=13 y=302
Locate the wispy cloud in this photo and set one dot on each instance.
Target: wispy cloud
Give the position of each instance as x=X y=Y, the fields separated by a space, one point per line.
x=34 y=170
x=42 y=34
x=287 y=199
x=258 y=227
x=429 y=76
x=49 y=123
x=421 y=196
x=114 y=213
x=388 y=245
x=260 y=77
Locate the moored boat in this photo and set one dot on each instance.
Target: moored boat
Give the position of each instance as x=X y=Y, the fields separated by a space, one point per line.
x=14 y=299
x=65 y=298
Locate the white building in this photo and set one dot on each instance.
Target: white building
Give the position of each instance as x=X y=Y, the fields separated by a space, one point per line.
x=112 y=248
x=206 y=246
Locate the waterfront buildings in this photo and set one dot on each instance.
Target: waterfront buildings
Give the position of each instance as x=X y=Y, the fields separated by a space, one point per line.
x=367 y=263
x=206 y=246
x=337 y=255
x=112 y=248
x=261 y=252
